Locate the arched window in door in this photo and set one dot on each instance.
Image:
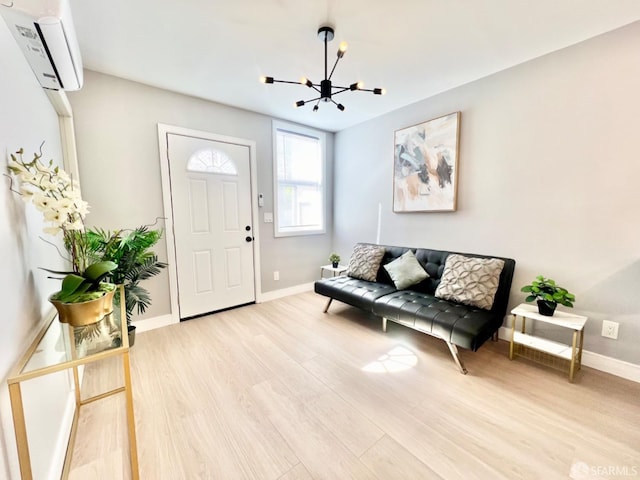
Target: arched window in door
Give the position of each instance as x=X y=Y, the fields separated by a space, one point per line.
x=211 y=161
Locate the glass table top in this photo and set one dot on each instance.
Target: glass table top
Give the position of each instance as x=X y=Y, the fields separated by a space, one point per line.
x=59 y=344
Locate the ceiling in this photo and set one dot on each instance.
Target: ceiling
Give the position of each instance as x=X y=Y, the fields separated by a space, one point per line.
x=217 y=49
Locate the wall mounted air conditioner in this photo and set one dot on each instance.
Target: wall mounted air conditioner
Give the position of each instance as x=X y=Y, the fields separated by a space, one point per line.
x=44 y=31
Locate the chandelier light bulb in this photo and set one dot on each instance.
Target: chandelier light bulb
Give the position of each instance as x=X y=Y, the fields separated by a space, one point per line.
x=299 y=103
x=342 y=49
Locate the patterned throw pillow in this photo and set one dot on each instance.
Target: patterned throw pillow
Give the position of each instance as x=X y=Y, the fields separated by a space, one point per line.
x=469 y=280
x=406 y=271
x=365 y=262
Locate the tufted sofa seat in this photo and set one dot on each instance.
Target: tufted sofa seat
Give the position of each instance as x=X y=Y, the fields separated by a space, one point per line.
x=417 y=307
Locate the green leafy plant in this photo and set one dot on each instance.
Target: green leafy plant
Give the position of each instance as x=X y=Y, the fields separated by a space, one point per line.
x=334 y=258
x=546 y=290
x=85 y=286
x=129 y=249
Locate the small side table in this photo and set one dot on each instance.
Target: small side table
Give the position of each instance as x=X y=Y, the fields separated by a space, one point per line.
x=339 y=270
x=546 y=351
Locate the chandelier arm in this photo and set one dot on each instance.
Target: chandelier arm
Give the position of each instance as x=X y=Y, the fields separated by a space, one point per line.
x=286 y=81
x=334 y=68
x=313 y=100
x=341 y=91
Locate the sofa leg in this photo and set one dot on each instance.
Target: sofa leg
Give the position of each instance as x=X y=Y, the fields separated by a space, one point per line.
x=384 y=324
x=326 y=309
x=494 y=337
x=456 y=357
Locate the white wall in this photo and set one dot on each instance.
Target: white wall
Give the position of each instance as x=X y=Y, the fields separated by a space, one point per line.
x=548 y=175
x=116 y=127
x=26 y=119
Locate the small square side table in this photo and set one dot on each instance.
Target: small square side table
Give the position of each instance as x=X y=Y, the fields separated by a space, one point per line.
x=339 y=270
x=540 y=349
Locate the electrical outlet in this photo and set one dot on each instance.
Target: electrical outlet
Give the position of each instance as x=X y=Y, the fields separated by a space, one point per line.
x=610 y=329
x=276 y=275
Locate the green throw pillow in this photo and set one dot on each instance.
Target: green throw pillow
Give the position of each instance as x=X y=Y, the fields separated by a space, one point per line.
x=406 y=271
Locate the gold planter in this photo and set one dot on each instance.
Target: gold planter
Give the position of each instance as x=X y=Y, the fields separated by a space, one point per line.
x=108 y=301
x=84 y=313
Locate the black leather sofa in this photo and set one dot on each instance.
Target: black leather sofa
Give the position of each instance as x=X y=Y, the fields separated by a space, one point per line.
x=418 y=308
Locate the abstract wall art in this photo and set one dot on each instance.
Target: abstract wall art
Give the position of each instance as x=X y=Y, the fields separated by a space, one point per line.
x=425 y=167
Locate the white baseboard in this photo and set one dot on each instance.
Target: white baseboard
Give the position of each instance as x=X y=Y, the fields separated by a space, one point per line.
x=155 y=322
x=619 y=368
x=284 y=292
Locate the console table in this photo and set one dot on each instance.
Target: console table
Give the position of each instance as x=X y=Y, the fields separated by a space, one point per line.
x=40 y=360
x=545 y=351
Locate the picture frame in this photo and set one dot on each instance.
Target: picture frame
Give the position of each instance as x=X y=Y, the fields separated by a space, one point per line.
x=425 y=166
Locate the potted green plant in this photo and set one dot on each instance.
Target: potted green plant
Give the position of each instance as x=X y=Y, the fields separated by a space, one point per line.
x=334 y=258
x=84 y=298
x=130 y=251
x=548 y=295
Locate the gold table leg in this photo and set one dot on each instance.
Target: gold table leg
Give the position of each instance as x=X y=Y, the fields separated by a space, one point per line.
x=131 y=422
x=20 y=427
x=573 y=355
x=580 y=349
x=513 y=332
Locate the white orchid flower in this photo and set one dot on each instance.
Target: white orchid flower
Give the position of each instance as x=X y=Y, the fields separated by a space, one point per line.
x=82 y=208
x=42 y=202
x=52 y=230
x=77 y=225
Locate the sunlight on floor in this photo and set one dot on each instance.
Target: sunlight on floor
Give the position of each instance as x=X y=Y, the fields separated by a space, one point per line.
x=396 y=360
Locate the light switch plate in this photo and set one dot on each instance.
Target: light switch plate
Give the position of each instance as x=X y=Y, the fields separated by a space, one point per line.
x=268 y=217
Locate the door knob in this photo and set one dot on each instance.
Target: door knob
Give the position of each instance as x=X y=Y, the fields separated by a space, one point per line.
x=248 y=239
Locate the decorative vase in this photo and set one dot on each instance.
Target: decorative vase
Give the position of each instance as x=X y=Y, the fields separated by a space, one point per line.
x=334 y=264
x=546 y=308
x=84 y=313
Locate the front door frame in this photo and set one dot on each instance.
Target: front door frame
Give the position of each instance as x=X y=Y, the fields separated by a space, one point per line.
x=163 y=131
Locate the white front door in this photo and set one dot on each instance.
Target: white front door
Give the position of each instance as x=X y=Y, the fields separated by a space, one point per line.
x=211 y=202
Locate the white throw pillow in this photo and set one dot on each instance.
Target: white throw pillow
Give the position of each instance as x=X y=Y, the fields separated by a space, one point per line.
x=365 y=262
x=470 y=280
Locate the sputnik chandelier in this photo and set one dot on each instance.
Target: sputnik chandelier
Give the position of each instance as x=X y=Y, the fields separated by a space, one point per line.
x=325 y=88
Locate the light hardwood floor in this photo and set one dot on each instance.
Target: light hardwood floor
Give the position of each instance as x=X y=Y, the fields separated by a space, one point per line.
x=282 y=391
